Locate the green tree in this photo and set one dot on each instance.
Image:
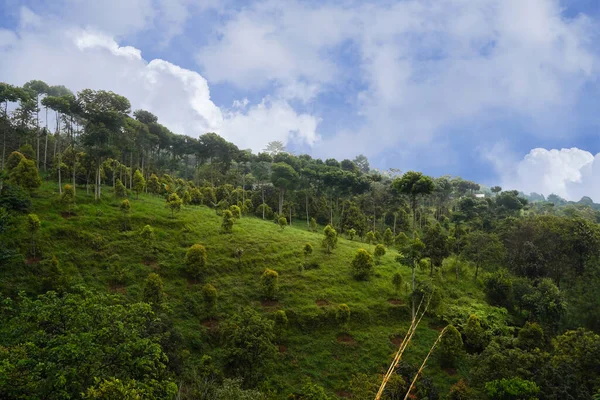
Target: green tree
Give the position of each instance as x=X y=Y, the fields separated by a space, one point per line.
x=475 y=336
x=512 y=389
x=370 y=237
x=414 y=185
x=33 y=227
x=330 y=239
x=397 y=281
x=174 y=203
x=125 y=208
x=313 y=224
x=436 y=246
x=379 y=252
x=235 y=211
x=209 y=294
x=362 y=265
x=13 y=160
x=388 y=237
x=284 y=177
x=120 y=189
x=186 y=198
x=148 y=238
x=269 y=283
x=114 y=388
x=196 y=197
x=451 y=347
x=281 y=322
x=460 y=391
x=154 y=185
x=531 y=336
x=26 y=175
x=483 y=249
x=154 y=290
x=196 y=260
x=282 y=222
x=248 y=344
x=351 y=233
x=411 y=255
x=228 y=221
x=139 y=183
x=68 y=197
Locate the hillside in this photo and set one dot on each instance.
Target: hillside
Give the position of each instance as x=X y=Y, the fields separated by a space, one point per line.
x=94 y=251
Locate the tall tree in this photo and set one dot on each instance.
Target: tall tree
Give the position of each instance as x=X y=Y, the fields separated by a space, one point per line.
x=38 y=88
x=413 y=184
x=284 y=177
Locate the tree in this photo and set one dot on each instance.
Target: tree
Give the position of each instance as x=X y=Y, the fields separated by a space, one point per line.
x=351 y=234
x=139 y=183
x=397 y=281
x=275 y=147
x=154 y=186
x=330 y=239
x=413 y=184
x=114 y=388
x=196 y=260
x=281 y=322
x=483 y=249
x=370 y=237
x=235 y=211
x=496 y=189
x=148 y=239
x=120 y=189
x=313 y=224
x=196 y=197
x=125 y=208
x=284 y=177
x=436 y=246
x=342 y=316
x=154 y=290
x=26 y=175
x=248 y=344
x=33 y=226
x=282 y=222
x=362 y=163
x=72 y=337
x=388 y=237
x=412 y=253
x=209 y=294
x=227 y=223
x=174 y=203
x=68 y=197
x=475 y=336
x=511 y=389
x=379 y=252
x=13 y=160
x=362 y=265
x=451 y=347
x=268 y=282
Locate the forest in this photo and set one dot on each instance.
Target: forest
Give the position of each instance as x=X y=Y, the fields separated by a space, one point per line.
x=136 y=263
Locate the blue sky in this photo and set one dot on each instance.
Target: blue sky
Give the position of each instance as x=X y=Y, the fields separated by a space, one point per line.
x=498 y=91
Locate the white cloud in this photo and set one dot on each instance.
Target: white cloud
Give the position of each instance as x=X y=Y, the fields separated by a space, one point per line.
x=570 y=173
x=270 y=120
x=180 y=97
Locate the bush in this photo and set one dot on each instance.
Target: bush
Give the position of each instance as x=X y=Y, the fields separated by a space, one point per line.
x=268 y=212
x=498 y=288
x=379 y=252
x=397 y=281
x=342 y=315
x=235 y=211
x=308 y=249
x=531 y=336
x=475 y=336
x=451 y=347
x=511 y=389
x=330 y=239
x=388 y=237
x=26 y=175
x=282 y=222
x=154 y=185
x=196 y=197
x=14 y=198
x=370 y=238
x=268 y=283
x=153 y=290
x=351 y=234
x=187 y=198
x=195 y=260
x=68 y=197
x=362 y=265
x=139 y=183
x=313 y=224
x=13 y=160
x=209 y=195
x=209 y=294
x=120 y=189
x=227 y=223
x=174 y=203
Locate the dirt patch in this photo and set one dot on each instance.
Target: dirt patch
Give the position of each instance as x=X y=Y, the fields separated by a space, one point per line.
x=269 y=303
x=345 y=338
x=282 y=348
x=395 y=302
x=343 y=394
x=397 y=340
x=67 y=215
x=450 y=371
x=210 y=323
x=322 y=303
x=32 y=260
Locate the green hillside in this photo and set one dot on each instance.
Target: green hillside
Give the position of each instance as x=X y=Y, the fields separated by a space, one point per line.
x=95 y=251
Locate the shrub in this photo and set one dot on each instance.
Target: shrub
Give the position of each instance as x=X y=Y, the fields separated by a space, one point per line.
x=511 y=389
x=33 y=226
x=13 y=160
x=268 y=212
x=26 y=175
x=460 y=391
x=154 y=185
x=125 y=207
x=451 y=347
x=397 y=281
x=313 y=224
x=139 y=183
x=531 y=336
x=195 y=260
x=268 y=283
x=330 y=239
x=14 y=198
x=282 y=222
x=362 y=265
x=308 y=249
x=235 y=211
x=153 y=290
x=227 y=223
x=351 y=234
x=209 y=294
x=187 y=198
x=281 y=322
x=388 y=237
x=174 y=203
x=498 y=288
x=379 y=252
x=120 y=189
x=68 y=197
x=196 y=197
x=209 y=195
x=370 y=238
x=475 y=336
x=27 y=151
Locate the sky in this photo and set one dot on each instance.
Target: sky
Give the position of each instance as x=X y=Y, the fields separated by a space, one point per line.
x=502 y=92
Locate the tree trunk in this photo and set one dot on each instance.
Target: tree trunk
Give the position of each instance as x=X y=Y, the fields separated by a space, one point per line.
x=46 y=145
x=131 y=171
x=4 y=132
x=281 y=201
x=74 y=158
x=37 y=124
x=395 y=217
x=263 y=200
x=307 y=217
x=413 y=289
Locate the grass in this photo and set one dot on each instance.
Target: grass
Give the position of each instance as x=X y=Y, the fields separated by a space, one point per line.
x=91 y=246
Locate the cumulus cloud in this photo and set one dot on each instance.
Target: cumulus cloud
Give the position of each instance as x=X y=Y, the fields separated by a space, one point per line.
x=180 y=97
x=570 y=173
x=420 y=67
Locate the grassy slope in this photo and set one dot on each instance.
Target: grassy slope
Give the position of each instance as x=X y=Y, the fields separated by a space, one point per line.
x=91 y=244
